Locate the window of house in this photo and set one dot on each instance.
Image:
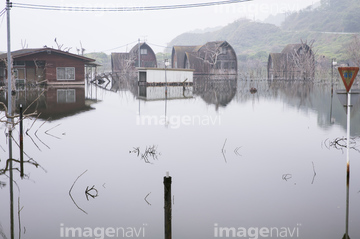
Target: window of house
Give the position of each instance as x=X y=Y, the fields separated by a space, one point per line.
x=19 y=63
x=143 y=51
x=142 y=76
x=65 y=73
x=19 y=73
x=66 y=96
x=20 y=84
x=2 y=73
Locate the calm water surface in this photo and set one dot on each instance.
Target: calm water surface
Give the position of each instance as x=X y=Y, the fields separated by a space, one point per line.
x=237 y=160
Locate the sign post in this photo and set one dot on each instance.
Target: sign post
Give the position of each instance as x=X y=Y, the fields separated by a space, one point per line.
x=348 y=75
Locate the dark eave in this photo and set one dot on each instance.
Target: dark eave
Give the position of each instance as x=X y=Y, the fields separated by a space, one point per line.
x=31 y=51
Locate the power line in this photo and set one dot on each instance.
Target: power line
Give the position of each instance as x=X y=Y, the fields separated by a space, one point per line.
x=158 y=45
x=2 y=12
x=121 y=46
x=124 y=8
x=2 y=19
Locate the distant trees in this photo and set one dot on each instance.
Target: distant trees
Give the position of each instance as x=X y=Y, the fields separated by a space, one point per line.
x=352 y=20
x=332 y=16
x=353 y=50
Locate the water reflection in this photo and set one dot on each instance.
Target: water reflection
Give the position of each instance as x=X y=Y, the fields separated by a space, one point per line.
x=150 y=93
x=304 y=96
x=54 y=102
x=215 y=90
x=270 y=141
x=221 y=90
x=116 y=82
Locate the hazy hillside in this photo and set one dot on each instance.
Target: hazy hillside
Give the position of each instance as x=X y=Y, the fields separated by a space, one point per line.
x=276 y=20
x=256 y=40
x=245 y=36
x=330 y=16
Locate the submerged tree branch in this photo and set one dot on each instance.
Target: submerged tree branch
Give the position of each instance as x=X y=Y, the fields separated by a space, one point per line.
x=71 y=190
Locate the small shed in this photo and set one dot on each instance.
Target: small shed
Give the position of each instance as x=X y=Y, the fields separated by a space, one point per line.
x=162 y=76
x=46 y=65
x=127 y=62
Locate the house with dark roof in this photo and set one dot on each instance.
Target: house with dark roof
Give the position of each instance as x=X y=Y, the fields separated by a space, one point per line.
x=46 y=65
x=212 y=58
x=296 y=61
x=127 y=62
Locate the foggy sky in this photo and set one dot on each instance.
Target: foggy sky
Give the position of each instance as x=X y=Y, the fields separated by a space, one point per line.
x=107 y=31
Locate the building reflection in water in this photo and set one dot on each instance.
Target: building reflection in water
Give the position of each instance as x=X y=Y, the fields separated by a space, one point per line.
x=158 y=92
x=216 y=90
x=54 y=102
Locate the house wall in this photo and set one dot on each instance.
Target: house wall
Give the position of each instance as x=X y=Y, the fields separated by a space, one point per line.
x=157 y=75
x=52 y=61
x=148 y=59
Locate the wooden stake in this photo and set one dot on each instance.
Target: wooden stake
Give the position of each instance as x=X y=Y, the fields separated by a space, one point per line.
x=21 y=143
x=167 y=205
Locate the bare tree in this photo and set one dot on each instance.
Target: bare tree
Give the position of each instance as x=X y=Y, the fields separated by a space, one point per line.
x=210 y=54
x=24 y=44
x=12 y=73
x=60 y=46
x=209 y=57
x=129 y=63
x=303 y=60
x=40 y=69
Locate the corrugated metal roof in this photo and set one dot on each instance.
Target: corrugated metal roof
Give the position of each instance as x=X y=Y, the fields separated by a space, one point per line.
x=290 y=48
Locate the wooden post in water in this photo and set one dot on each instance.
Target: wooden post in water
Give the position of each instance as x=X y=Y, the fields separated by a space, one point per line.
x=167 y=205
x=21 y=143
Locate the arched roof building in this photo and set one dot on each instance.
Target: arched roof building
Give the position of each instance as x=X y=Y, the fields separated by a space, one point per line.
x=126 y=62
x=296 y=61
x=212 y=58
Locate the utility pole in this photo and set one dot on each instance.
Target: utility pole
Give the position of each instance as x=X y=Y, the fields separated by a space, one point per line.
x=139 y=53
x=348 y=75
x=9 y=75
x=333 y=63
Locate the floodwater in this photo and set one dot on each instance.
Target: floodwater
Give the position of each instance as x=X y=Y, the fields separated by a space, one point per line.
x=269 y=164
